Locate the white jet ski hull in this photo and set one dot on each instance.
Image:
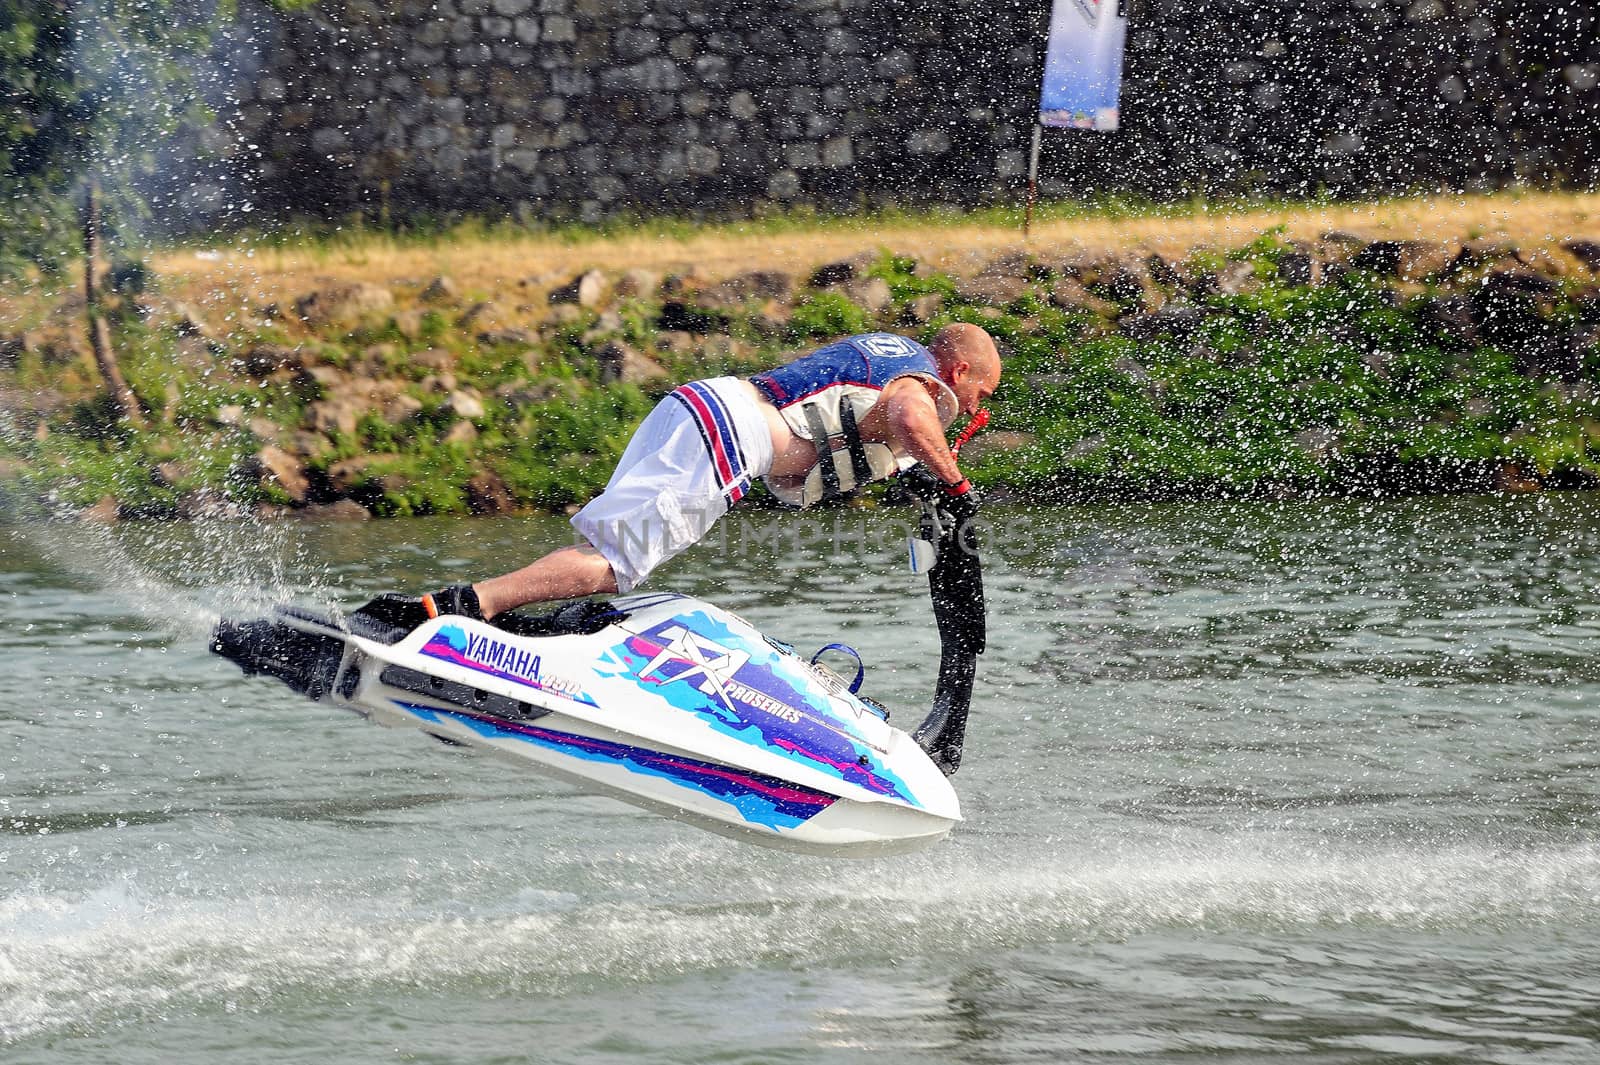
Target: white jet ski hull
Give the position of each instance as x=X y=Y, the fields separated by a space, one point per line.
x=677 y=706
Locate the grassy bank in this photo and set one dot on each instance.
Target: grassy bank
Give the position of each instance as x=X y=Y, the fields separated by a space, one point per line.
x=1415 y=345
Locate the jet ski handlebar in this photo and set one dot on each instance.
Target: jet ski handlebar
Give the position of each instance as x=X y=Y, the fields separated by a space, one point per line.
x=955 y=584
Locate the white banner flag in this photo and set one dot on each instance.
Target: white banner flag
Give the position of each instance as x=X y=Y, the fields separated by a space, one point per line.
x=1083 y=65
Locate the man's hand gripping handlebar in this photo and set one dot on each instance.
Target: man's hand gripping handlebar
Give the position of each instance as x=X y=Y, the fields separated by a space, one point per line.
x=947 y=509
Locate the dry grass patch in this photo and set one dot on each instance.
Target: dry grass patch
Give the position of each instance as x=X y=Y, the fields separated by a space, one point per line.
x=231 y=283
x=522 y=269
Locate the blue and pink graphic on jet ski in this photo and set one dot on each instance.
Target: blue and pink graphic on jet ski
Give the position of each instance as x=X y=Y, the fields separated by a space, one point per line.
x=760 y=799
x=699 y=664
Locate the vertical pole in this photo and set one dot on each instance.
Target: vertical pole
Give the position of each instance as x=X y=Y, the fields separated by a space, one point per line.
x=1033 y=180
x=91 y=246
x=105 y=357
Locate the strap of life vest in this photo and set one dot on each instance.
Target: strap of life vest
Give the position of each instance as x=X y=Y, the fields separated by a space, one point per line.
x=819 y=440
x=859 y=463
x=852 y=440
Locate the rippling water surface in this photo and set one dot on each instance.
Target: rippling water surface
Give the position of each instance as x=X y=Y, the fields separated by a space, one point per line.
x=1243 y=782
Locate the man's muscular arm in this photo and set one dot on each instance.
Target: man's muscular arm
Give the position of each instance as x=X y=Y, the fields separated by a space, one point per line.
x=913 y=422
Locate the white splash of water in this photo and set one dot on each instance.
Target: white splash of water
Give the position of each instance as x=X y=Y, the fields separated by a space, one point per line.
x=180 y=578
x=118 y=951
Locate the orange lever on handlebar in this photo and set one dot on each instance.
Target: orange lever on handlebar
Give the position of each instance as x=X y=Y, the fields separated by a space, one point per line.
x=979 y=420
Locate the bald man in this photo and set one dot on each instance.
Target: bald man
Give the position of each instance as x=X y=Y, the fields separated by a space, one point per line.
x=856 y=411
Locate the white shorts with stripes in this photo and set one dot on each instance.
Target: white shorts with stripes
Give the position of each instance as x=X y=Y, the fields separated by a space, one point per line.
x=691 y=459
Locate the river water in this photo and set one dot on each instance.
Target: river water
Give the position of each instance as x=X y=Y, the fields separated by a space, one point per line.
x=1243 y=782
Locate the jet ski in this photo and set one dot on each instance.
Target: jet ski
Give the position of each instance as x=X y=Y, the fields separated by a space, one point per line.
x=664 y=701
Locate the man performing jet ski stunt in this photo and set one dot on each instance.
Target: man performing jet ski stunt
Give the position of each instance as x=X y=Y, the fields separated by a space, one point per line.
x=667 y=701
x=880 y=402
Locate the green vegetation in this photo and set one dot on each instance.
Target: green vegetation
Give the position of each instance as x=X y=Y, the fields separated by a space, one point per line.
x=828 y=314
x=1211 y=376
x=1289 y=389
x=150 y=474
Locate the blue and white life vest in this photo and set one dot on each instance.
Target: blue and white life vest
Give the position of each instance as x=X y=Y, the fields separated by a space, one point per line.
x=827 y=393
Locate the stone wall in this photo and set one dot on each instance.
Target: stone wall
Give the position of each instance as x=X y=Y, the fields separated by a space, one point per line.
x=561 y=108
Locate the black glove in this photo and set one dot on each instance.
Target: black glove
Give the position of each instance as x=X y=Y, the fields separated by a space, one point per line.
x=956 y=506
x=921 y=483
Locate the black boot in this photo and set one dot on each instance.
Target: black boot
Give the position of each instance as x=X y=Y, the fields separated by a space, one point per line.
x=406 y=612
x=458 y=599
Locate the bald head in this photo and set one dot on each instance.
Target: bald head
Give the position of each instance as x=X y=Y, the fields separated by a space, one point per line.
x=968 y=362
x=961 y=342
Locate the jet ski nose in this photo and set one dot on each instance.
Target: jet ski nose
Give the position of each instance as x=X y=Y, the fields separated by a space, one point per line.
x=241 y=642
x=308 y=662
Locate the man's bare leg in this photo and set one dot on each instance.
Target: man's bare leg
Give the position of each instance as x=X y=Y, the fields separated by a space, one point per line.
x=566 y=573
